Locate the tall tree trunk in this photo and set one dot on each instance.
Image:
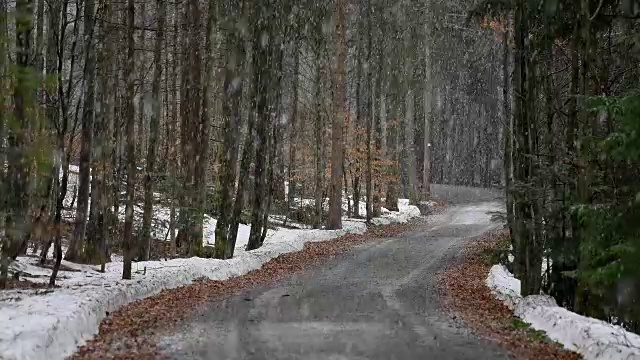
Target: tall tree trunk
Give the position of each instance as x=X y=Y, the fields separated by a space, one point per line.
x=247 y=151
x=525 y=253
x=369 y=114
x=191 y=116
x=409 y=154
x=96 y=249
x=141 y=64
x=380 y=115
x=425 y=191
x=154 y=132
x=75 y=251
x=508 y=132
x=334 y=220
x=294 y=131
x=60 y=118
x=54 y=34
x=263 y=72
x=359 y=105
x=17 y=186
x=127 y=236
x=318 y=127
x=4 y=106
x=106 y=220
x=391 y=200
x=173 y=127
x=243 y=182
x=275 y=97
x=231 y=111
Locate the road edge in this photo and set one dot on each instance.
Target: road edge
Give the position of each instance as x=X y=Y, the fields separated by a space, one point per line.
x=465 y=294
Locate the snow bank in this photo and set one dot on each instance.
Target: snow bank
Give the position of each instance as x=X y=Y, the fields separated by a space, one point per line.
x=405 y=213
x=43 y=324
x=592 y=338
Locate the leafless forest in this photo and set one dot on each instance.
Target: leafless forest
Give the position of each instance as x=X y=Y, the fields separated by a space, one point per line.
x=244 y=110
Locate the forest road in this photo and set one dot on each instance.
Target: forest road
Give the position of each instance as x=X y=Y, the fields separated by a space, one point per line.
x=378 y=301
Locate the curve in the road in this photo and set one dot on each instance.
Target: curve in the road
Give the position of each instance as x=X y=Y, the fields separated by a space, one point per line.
x=375 y=302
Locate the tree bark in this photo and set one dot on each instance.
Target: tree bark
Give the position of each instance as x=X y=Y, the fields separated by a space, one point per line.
x=127 y=236
x=17 y=160
x=75 y=252
x=4 y=87
x=154 y=132
x=172 y=138
x=293 y=130
x=231 y=110
x=318 y=127
x=334 y=220
x=425 y=191
x=263 y=73
x=369 y=114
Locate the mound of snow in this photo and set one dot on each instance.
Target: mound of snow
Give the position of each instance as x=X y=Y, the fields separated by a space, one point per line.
x=592 y=338
x=405 y=213
x=504 y=286
x=43 y=324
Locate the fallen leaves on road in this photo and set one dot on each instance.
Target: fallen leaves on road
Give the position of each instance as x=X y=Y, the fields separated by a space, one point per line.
x=128 y=332
x=465 y=293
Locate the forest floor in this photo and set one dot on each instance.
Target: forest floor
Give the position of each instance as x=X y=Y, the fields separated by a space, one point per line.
x=467 y=296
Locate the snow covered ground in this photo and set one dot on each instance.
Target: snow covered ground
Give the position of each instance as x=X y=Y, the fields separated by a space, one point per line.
x=51 y=324
x=593 y=339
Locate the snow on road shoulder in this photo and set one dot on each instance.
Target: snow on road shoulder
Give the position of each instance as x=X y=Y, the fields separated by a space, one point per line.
x=45 y=324
x=405 y=213
x=592 y=338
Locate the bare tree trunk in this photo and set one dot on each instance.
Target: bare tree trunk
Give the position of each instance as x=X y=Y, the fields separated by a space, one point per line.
x=128 y=241
x=231 y=111
x=263 y=72
x=426 y=141
x=205 y=123
x=508 y=133
x=369 y=114
x=334 y=220
x=243 y=182
x=53 y=115
x=75 y=251
x=319 y=173
x=173 y=127
x=247 y=151
x=154 y=132
x=96 y=249
x=359 y=105
x=141 y=64
x=381 y=133
x=293 y=130
x=107 y=220
x=409 y=163
x=17 y=186
x=190 y=109
x=391 y=201
x=4 y=89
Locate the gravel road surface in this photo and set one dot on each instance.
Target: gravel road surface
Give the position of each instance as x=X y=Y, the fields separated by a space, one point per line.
x=378 y=301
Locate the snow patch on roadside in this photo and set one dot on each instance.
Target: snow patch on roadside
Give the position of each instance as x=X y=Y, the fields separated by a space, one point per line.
x=592 y=338
x=405 y=213
x=45 y=324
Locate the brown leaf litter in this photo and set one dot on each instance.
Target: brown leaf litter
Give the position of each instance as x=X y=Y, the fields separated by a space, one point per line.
x=466 y=294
